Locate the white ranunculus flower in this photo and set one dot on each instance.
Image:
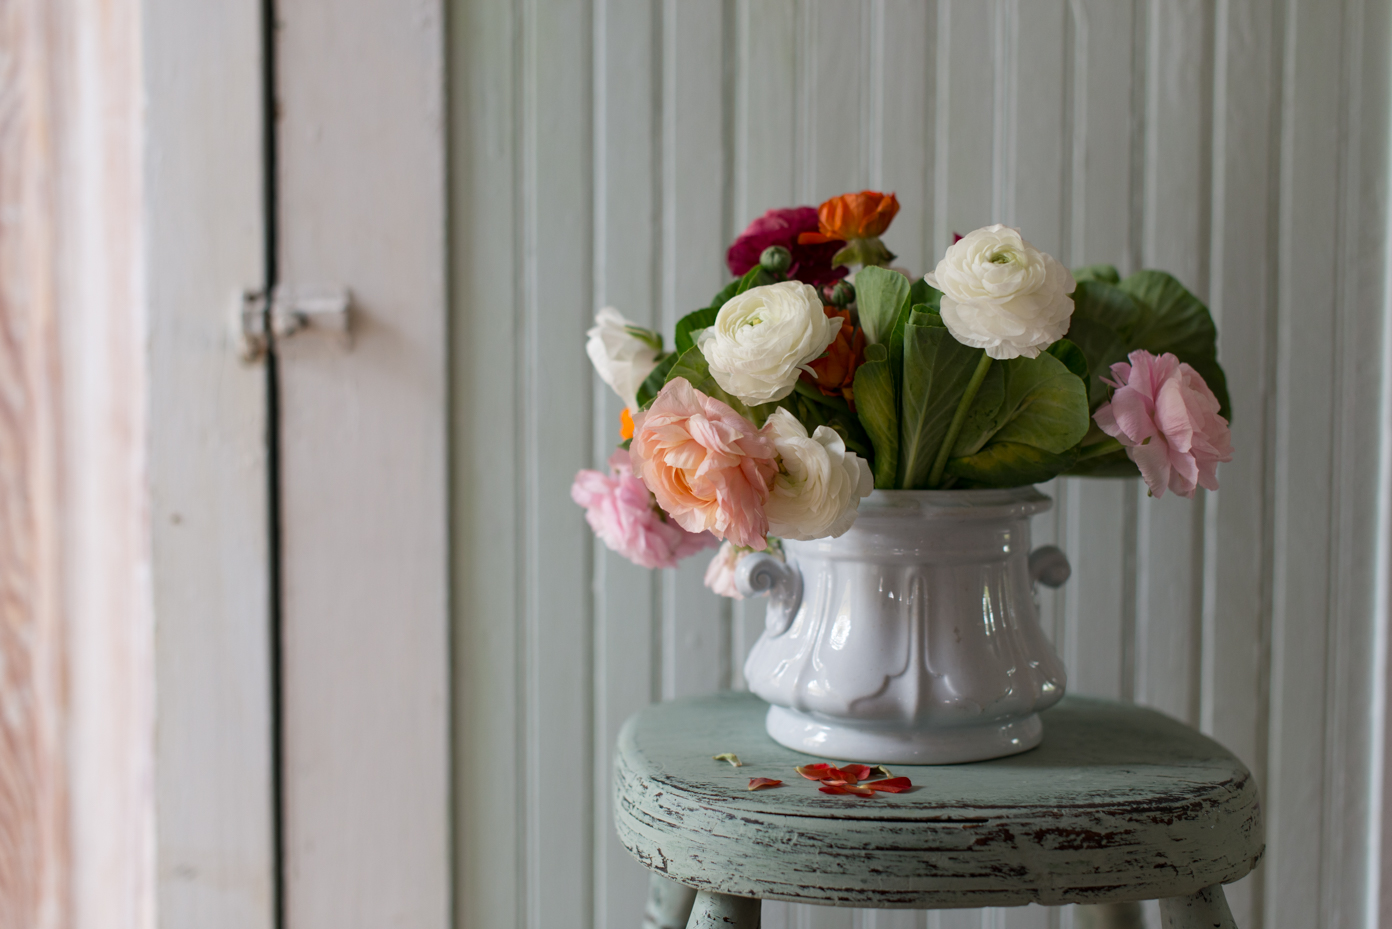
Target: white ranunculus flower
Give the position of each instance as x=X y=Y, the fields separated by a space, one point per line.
x=817 y=491
x=1002 y=294
x=764 y=338
x=622 y=359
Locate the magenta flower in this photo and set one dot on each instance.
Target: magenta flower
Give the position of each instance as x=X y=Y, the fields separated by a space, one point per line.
x=1167 y=418
x=622 y=512
x=811 y=263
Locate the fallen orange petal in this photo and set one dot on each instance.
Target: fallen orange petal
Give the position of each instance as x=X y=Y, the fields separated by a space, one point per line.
x=856 y=772
x=841 y=787
x=756 y=783
x=891 y=785
x=818 y=772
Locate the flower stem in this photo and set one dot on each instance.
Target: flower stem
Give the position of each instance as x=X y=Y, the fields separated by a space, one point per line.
x=958 y=418
x=1105 y=447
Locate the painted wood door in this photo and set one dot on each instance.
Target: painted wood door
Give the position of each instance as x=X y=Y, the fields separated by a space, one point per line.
x=359 y=169
x=606 y=151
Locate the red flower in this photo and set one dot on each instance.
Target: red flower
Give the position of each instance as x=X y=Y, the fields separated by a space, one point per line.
x=811 y=263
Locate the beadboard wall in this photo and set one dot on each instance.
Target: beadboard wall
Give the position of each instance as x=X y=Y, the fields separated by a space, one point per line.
x=606 y=152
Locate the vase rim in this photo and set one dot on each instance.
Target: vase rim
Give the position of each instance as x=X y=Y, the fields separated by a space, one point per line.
x=1004 y=501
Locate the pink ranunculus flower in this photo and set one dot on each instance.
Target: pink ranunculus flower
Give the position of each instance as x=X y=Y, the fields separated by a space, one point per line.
x=811 y=263
x=622 y=512
x=1167 y=418
x=707 y=465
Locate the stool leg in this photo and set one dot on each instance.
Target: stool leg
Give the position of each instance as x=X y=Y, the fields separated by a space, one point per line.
x=719 y=911
x=1207 y=909
x=1109 y=916
x=669 y=904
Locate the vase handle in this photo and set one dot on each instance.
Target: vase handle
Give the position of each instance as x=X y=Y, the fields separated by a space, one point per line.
x=762 y=573
x=1048 y=565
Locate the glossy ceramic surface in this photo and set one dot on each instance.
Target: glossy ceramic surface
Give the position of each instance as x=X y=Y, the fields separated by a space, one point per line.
x=913 y=638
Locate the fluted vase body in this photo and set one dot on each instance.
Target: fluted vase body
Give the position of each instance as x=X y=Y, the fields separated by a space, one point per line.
x=914 y=637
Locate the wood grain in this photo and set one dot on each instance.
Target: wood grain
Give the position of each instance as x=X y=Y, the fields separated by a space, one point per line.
x=35 y=849
x=76 y=626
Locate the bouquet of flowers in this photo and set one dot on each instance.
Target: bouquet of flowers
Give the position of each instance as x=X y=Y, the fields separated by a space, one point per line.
x=804 y=385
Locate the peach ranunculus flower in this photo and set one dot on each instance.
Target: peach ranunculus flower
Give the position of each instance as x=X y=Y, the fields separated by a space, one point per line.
x=858 y=220
x=1167 y=418
x=707 y=465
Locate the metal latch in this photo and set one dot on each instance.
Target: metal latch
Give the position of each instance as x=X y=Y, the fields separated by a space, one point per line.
x=292 y=310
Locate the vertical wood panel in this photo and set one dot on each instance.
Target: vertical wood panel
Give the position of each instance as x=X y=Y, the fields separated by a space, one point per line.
x=557 y=200
x=1148 y=133
x=208 y=466
x=695 y=231
x=627 y=262
x=1300 y=616
x=485 y=481
x=361 y=190
x=1237 y=527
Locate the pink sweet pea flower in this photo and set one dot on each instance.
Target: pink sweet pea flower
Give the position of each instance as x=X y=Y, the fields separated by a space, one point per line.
x=707 y=465
x=1167 y=418
x=622 y=512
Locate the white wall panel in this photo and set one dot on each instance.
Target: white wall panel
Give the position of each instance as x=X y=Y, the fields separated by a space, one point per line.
x=606 y=153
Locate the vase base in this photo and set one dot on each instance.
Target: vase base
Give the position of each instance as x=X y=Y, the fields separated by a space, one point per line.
x=840 y=741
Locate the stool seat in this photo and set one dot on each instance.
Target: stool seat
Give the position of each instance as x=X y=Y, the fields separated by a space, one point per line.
x=1119 y=803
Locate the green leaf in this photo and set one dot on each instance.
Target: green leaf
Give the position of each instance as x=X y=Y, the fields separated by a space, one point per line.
x=936 y=370
x=1107 y=274
x=726 y=292
x=692 y=323
x=1072 y=357
x=1045 y=405
x=921 y=293
x=880 y=296
x=754 y=277
x=1179 y=323
x=692 y=365
x=878 y=409
x=1009 y=464
x=983 y=419
x=652 y=339
x=652 y=384
x=1037 y=401
x=1104 y=318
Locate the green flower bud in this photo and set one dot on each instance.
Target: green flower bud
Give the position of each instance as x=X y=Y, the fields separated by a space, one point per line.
x=776 y=259
x=842 y=295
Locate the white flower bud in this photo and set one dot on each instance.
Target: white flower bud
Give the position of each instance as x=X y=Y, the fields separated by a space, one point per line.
x=622 y=359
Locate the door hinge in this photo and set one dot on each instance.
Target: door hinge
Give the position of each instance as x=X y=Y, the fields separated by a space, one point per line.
x=290 y=311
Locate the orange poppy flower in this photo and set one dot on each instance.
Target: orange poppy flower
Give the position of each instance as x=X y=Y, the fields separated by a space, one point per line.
x=625 y=425
x=865 y=215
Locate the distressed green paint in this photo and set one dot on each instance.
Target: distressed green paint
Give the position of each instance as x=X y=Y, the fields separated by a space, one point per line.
x=1119 y=803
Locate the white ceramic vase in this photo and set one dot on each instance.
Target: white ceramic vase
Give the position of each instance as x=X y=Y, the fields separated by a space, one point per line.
x=913 y=638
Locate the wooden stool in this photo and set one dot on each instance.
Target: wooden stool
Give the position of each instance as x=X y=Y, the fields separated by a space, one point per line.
x=1119 y=804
